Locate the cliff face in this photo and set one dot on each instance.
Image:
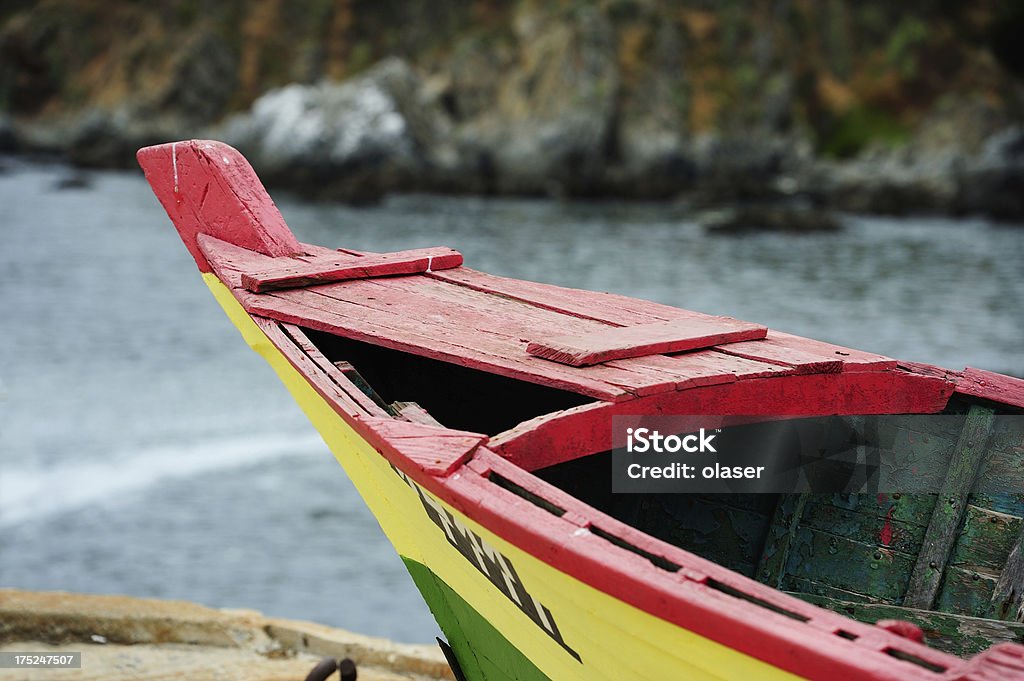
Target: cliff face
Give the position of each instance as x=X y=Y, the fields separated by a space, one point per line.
x=640 y=98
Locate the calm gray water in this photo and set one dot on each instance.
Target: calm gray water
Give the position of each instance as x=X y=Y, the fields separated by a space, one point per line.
x=145 y=450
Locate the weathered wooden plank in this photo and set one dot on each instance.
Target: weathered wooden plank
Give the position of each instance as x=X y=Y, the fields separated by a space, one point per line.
x=850 y=565
x=624 y=311
x=339 y=267
x=853 y=360
x=415 y=328
x=1003 y=475
x=207 y=187
x=986 y=540
x=966 y=591
x=399 y=332
x=1001 y=502
x=1008 y=592
x=478 y=320
x=991 y=386
x=480 y=324
x=606 y=307
x=957 y=634
x=922 y=457
x=800 y=586
x=703 y=368
x=778 y=349
x=947 y=516
x=436 y=450
x=922 y=369
x=771 y=567
x=911 y=510
x=410 y=411
x=677 y=335
x=728 y=535
x=880 y=527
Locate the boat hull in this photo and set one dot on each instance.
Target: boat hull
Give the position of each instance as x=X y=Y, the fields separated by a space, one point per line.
x=492 y=635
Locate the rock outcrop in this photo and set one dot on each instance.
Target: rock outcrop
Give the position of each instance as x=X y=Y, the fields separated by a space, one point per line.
x=866 y=107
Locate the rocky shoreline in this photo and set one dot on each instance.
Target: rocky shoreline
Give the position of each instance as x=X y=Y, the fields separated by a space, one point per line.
x=131 y=639
x=623 y=99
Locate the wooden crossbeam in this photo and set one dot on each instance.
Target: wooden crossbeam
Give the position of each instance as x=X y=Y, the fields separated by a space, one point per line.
x=947 y=518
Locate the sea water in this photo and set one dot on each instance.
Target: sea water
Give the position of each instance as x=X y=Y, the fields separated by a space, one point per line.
x=145 y=450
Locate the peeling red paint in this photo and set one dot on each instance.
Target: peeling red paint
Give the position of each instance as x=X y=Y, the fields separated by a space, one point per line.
x=885 y=536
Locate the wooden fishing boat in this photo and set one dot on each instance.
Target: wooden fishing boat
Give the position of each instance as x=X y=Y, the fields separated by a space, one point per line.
x=474 y=415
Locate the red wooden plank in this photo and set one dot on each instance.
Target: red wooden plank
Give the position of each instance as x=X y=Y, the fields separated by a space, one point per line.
x=853 y=360
x=397 y=332
x=490 y=322
x=708 y=367
x=991 y=386
x=339 y=266
x=923 y=369
x=607 y=307
x=434 y=449
x=781 y=349
x=435 y=312
x=207 y=187
x=410 y=411
x=677 y=335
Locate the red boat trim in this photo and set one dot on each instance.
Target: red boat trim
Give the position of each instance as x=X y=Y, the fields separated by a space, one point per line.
x=991 y=386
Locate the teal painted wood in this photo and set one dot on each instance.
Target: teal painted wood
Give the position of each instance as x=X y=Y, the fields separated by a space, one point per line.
x=874 y=571
x=965 y=591
x=957 y=634
x=946 y=519
x=771 y=567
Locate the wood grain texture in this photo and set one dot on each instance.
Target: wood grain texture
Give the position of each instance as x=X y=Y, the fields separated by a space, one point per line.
x=410 y=411
x=771 y=567
x=606 y=307
x=677 y=335
x=787 y=351
x=991 y=386
x=207 y=187
x=1008 y=594
x=957 y=634
x=321 y=269
x=436 y=450
x=948 y=515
